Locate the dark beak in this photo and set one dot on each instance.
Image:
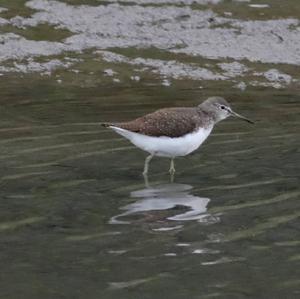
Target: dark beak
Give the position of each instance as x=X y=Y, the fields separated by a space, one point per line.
x=241 y=117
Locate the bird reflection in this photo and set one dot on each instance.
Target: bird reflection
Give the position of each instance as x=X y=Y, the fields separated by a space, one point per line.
x=165 y=197
x=146 y=179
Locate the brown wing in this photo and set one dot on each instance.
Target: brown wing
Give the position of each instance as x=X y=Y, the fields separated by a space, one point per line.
x=172 y=122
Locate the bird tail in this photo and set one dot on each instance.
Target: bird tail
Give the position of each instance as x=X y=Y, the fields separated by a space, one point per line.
x=105 y=125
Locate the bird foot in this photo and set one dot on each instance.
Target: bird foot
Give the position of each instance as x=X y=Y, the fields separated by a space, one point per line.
x=172 y=171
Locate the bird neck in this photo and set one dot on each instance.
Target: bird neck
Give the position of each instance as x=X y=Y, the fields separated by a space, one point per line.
x=208 y=117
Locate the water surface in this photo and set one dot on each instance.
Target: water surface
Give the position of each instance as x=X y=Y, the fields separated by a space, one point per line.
x=77 y=220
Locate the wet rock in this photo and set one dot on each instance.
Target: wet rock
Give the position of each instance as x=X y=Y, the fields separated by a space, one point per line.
x=162 y=27
x=276 y=85
x=259 y=5
x=233 y=69
x=109 y=72
x=169 y=68
x=169 y=28
x=185 y=2
x=13 y=46
x=274 y=75
x=3 y=22
x=45 y=68
x=166 y=82
x=242 y=86
x=135 y=78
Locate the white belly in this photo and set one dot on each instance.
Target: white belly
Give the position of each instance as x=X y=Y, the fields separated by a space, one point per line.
x=164 y=146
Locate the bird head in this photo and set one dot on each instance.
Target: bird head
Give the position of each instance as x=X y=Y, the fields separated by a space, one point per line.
x=220 y=109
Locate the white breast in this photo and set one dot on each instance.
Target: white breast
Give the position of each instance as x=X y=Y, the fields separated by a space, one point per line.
x=164 y=146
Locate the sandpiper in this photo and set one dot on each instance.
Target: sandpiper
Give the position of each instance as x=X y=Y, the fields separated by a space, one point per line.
x=174 y=132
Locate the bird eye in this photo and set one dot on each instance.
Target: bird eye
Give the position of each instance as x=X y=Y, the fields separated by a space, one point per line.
x=222 y=107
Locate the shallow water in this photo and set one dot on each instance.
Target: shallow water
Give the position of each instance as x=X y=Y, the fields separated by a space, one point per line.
x=77 y=220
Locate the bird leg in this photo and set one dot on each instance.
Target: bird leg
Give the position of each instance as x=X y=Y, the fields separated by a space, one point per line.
x=172 y=167
x=146 y=180
x=146 y=166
